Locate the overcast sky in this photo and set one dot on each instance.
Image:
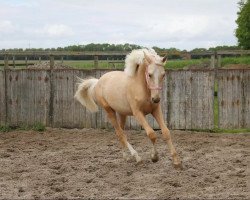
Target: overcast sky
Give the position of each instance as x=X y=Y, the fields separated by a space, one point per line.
x=183 y=24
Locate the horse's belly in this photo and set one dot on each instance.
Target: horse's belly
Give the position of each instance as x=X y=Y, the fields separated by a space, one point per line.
x=114 y=90
x=118 y=101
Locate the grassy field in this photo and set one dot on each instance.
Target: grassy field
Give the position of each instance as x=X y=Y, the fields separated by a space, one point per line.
x=171 y=64
x=235 y=60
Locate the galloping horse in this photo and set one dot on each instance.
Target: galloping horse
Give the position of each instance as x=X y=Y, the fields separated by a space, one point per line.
x=134 y=91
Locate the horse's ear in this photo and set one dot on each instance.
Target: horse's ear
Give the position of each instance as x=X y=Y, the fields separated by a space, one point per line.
x=164 y=59
x=147 y=57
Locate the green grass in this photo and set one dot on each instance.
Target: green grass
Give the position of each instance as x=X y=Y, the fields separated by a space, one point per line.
x=35 y=127
x=235 y=60
x=179 y=64
x=5 y=128
x=78 y=64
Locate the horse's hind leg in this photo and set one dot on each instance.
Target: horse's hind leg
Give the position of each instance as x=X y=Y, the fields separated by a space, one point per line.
x=119 y=132
x=122 y=120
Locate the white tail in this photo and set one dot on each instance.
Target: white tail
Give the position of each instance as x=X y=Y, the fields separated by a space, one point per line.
x=85 y=93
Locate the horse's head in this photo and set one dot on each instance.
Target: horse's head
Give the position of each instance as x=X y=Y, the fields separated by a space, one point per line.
x=154 y=74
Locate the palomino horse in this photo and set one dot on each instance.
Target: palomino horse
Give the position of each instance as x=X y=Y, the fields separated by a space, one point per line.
x=135 y=91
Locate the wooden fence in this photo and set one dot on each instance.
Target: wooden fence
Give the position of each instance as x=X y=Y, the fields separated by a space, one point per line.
x=28 y=96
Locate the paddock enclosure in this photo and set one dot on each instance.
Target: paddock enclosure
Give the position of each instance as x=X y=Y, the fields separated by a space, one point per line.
x=28 y=96
x=86 y=160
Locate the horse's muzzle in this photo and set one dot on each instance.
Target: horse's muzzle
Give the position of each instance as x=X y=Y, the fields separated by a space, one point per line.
x=156 y=99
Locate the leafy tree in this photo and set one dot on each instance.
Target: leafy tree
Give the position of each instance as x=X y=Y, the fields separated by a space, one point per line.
x=243 y=21
x=223 y=48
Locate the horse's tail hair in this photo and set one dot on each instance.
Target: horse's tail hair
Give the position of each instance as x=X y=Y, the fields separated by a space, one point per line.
x=85 y=93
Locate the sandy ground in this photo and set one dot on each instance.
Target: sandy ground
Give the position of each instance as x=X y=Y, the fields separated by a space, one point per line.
x=61 y=163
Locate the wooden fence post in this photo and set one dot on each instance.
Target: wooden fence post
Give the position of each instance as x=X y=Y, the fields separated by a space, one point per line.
x=39 y=59
x=212 y=65
x=52 y=89
x=6 y=61
x=26 y=61
x=14 y=63
x=3 y=99
x=51 y=61
x=219 y=61
x=62 y=60
x=96 y=62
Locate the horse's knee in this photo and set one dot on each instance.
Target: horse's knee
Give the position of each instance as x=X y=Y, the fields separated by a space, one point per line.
x=152 y=136
x=166 y=134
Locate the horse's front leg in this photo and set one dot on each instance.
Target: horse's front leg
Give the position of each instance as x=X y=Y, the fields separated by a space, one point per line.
x=150 y=133
x=157 y=113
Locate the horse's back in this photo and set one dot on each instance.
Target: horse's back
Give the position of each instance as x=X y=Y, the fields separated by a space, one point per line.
x=112 y=89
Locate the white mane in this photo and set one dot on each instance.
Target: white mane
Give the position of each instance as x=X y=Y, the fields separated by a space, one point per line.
x=136 y=57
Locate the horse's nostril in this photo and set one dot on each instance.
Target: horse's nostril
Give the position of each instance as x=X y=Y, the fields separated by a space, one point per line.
x=156 y=100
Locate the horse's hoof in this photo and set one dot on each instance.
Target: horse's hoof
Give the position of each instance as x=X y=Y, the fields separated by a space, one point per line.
x=154 y=158
x=138 y=160
x=178 y=166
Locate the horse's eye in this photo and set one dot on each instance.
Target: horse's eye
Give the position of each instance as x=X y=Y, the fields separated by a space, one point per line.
x=150 y=75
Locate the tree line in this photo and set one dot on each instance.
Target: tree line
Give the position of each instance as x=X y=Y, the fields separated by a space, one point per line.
x=173 y=53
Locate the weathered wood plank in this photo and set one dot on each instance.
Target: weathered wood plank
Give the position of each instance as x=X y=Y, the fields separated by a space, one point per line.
x=173 y=100
x=210 y=100
x=246 y=98
x=236 y=94
x=200 y=95
x=11 y=98
x=182 y=102
x=67 y=98
x=194 y=101
x=2 y=98
x=241 y=100
x=222 y=99
x=188 y=100
x=25 y=100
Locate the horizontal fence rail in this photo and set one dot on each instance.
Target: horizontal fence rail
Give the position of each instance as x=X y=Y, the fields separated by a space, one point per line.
x=28 y=96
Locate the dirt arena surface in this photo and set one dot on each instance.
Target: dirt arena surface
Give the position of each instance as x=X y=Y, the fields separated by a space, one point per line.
x=61 y=163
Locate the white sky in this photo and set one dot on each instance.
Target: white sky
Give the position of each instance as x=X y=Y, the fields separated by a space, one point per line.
x=183 y=24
